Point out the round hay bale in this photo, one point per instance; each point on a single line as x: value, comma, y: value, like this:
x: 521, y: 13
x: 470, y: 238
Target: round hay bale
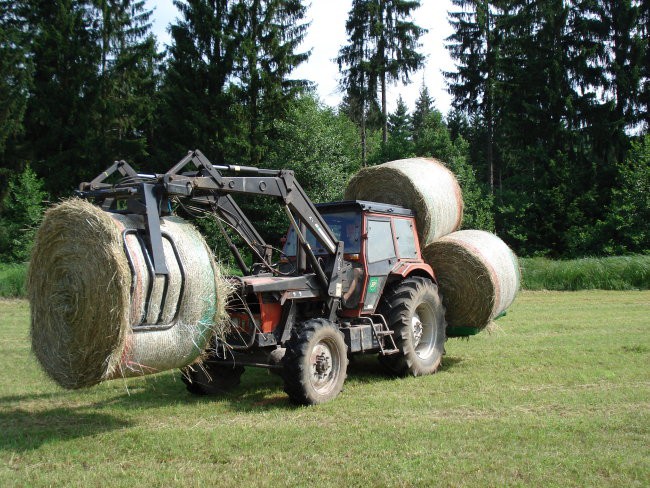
x: 478, y: 276
x: 98, y: 312
x: 424, y: 185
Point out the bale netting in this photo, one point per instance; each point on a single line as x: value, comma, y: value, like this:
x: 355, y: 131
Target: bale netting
x: 478, y: 276
x: 424, y: 185
x: 97, y: 309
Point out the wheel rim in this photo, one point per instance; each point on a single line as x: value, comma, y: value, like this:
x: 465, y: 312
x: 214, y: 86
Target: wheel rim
x: 425, y: 332
x: 324, y: 364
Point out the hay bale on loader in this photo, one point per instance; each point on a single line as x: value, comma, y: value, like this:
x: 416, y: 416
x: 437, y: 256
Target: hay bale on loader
x: 90, y: 286
x: 478, y: 276
x: 424, y: 185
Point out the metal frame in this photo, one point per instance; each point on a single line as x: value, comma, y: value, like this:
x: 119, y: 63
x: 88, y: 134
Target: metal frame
x: 207, y: 186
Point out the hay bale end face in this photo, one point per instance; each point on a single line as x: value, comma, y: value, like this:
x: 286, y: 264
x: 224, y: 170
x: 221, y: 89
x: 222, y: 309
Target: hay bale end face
x: 90, y: 289
x: 478, y: 276
x: 424, y: 185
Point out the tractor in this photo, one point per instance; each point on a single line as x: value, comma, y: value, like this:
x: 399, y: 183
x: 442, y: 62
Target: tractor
x: 348, y: 279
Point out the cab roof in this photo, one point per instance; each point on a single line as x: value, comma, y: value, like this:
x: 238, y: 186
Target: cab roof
x: 364, y: 206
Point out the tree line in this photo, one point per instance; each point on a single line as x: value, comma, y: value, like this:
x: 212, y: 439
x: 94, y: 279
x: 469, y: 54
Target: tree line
x: 546, y: 132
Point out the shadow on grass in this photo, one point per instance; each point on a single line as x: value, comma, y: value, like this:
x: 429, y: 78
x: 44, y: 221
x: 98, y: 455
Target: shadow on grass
x: 258, y: 391
x: 24, y: 430
x: 448, y: 363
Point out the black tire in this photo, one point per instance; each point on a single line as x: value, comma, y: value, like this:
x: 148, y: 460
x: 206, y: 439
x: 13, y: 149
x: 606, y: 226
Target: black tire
x: 211, y: 378
x: 315, y: 363
x: 414, y: 311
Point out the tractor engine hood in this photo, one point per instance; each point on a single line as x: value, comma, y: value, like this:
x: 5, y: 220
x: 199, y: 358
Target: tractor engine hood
x: 289, y: 287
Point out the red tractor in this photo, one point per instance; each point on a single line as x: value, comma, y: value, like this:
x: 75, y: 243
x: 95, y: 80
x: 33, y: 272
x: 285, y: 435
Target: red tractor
x: 350, y: 279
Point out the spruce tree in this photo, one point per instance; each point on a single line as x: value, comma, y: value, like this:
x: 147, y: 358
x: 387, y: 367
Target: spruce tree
x: 474, y: 46
x: 15, y: 83
x: 127, y: 79
x: 196, y: 107
x: 400, y: 139
x: 396, y: 42
x: 644, y: 91
x: 382, y: 47
x: 272, y: 31
x: 358, y: 81
x: 423, y: 107
x: 537, y: 143
x: 59, y: 118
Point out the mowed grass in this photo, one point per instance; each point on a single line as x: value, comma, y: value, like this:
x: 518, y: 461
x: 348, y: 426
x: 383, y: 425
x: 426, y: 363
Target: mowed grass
x: 557, y: 395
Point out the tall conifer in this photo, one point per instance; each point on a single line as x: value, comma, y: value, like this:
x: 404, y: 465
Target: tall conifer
x: 196, y: 105
x: 272, y: 31
x: 15, y: 83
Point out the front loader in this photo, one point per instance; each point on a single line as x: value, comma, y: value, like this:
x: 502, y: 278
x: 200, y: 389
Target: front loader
x: 350, y: 278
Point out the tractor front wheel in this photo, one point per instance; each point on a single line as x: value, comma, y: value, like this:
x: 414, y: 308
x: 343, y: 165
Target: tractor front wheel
x: 315, y: 363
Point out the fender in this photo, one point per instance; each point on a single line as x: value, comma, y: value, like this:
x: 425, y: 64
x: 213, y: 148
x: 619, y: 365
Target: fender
x: 405, y: 269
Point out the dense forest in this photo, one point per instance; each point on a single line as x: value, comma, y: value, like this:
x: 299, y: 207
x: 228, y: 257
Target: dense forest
x: 548, y: 131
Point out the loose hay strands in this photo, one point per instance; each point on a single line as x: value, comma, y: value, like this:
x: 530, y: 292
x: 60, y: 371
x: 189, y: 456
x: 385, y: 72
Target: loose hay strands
x: 424, y: 185
x: 85, y: 297
x: 478, y: 276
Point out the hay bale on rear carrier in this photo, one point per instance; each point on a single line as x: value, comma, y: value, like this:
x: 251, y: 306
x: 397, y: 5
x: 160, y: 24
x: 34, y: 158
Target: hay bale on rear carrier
x: 424, y: 185
x: 478, y: 276
x: 97, y: 309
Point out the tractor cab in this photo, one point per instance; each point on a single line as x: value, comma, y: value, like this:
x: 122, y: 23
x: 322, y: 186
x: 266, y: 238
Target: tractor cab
x: 380, y: 246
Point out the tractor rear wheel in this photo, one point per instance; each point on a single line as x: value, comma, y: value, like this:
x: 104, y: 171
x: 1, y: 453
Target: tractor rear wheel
x: 414, y: 311
x: 211, y: 377
x: 315, y: 363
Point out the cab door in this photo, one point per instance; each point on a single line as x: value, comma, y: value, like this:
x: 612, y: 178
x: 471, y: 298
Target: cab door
x: 380, y: 259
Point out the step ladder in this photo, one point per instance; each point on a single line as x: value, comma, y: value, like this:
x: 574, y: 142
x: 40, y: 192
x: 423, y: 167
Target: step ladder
x: 382, y: 333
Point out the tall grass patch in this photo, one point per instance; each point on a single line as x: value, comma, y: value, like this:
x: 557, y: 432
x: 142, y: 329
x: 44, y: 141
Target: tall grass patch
x: 12, y: 280
x: 610, y: 273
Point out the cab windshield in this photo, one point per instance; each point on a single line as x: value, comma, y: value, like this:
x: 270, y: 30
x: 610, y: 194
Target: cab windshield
x: 346, y: 226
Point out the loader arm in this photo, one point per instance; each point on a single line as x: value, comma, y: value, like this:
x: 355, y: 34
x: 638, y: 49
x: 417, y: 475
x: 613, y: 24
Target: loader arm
x: 207, y: 187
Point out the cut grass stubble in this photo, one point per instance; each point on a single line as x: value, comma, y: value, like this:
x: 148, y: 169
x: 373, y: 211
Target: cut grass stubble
x: 557, y: 395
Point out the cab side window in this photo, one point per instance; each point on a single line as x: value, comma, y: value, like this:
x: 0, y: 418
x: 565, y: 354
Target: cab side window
x: 380, y: 241
x: 405, y: 240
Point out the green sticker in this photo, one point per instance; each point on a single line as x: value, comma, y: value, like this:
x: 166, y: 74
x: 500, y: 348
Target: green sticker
x: 373, y: 285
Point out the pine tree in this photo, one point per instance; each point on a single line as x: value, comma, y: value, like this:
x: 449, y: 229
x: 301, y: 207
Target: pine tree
x: 475, y: 47
x: 423, y: 107
x: 272, y: 31
x: 127, y: 79
x: 358, y: 81
x: 15, y: 82
x: 400, y: 139
x: 196, y: 107
x: 59, y: 118
x: 382, y: 47
x: 396, y: 40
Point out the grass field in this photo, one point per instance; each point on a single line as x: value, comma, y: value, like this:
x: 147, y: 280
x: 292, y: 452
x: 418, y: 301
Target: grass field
x: 558, y: 395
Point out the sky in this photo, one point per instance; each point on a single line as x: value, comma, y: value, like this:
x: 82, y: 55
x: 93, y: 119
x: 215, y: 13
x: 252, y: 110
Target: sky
x: 326, y: 35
